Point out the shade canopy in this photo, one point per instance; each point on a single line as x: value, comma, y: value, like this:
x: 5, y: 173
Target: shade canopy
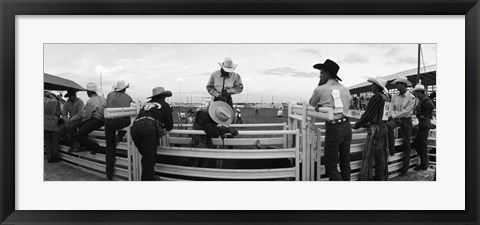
x: 428, y: 76
x: 54, y: 83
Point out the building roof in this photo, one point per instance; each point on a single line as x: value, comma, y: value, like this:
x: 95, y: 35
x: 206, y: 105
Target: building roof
x: 54, y: 83
x: 427, y: 76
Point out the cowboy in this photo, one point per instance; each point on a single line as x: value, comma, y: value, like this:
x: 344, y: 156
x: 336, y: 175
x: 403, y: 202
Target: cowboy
x: 401, y: 116
x: 92, y: 120
x: 423, y: 111
x: 330, y: 93
x: 208, y: 119
x: 375, y: 148
x: 225, y: 82
x: 115, y: 99
x: 238, y: 116
x: 153, y: 118
x: 72, y: 114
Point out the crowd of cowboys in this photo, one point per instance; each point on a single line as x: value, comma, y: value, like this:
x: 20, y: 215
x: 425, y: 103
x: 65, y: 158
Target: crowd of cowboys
x: 77, y: 121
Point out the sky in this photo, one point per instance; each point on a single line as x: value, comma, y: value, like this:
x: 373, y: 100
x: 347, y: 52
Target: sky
x: 270, y: 72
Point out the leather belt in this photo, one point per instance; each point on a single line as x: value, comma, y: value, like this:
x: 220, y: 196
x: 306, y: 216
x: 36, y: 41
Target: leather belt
x: 337, y: 120
x: 144, y: 117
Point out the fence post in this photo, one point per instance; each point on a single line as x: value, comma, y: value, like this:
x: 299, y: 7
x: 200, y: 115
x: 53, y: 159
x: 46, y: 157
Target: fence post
x: 129, y: 155
x: 304, y: 150
x: 297, y: 156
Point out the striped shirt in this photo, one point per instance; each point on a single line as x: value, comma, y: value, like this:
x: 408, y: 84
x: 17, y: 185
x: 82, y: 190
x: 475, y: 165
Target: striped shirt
x: 373, y: 113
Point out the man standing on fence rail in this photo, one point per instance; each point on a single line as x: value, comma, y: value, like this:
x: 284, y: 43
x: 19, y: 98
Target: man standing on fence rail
x: 375, y: 149
x: 423, y: 111
x: 148, y: 127
x: 115, y: 99
x: 330, y: 93
x: 225, y: 82
x: 401, y: 116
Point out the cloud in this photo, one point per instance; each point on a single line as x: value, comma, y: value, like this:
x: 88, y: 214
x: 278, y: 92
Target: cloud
x: 311, y: 51
x: 392, y: 52
x: 355, y: 58
x: 288, y: 71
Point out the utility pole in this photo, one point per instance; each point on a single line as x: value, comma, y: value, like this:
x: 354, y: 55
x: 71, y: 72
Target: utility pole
x: 418, y: 65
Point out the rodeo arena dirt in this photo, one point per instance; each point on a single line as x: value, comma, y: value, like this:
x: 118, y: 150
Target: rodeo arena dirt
x: 268, y: 143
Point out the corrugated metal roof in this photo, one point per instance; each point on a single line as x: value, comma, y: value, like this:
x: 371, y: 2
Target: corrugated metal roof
x: 427, y: 75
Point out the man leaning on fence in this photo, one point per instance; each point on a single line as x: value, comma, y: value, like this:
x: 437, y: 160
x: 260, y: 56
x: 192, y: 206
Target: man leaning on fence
x: 330, y: 93
x: 148, y: 127
x: 115, y: 99
x: 401, y: 116
x: 375, y: 150
x: 208, y: 119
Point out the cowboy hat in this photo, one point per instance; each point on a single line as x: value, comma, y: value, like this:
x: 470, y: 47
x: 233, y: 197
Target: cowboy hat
x: 378, y: 81
x: 418, y: 87
x: 228, y: 65
x: 70, y: 92
x: 329, y: 66
x: 402, y: 80
x: 160, y: 91
x: 91, y: 87
x: 121, y: 85
x: 221, y: 113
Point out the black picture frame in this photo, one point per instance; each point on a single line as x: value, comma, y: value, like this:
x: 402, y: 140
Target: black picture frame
x: 11, y: 8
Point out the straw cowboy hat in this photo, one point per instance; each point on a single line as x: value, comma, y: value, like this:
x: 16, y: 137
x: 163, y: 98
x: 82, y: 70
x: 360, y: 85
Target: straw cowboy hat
x: 121, y: 85
x: 402, y: 80
x: 418, y: 87
x: 160, y: 91
x: 378, y: 81
x: 221, y: 113
x: 228, y: 65
x: 330, y: 66
x: 91, y: 87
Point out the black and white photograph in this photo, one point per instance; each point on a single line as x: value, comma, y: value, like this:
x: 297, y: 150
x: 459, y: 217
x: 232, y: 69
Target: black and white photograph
x: 240, y: 112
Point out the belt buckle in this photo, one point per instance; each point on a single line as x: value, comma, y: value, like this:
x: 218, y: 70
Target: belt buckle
x: 333, y: 122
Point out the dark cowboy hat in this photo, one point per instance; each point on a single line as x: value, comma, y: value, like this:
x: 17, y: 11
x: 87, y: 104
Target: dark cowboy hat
x: 330, y: 66
x: 160, y: 91
x: 70, y: 92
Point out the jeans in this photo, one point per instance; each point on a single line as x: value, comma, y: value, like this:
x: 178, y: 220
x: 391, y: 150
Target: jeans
x: 145, y: 137
x: 229, y: 100
x: 337, y: 146
x: 405, y: 125
x: 51, y: 141
x: 375, y: 152
x: 86, y: 127
x: 420, y: 141
x: 111, y: 126
x: 68, y: 128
